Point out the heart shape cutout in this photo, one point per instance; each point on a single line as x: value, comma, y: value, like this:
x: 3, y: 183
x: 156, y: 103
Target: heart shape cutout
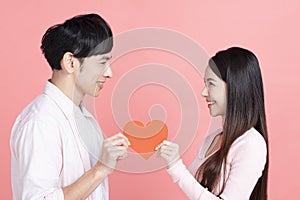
x: 144, y: 139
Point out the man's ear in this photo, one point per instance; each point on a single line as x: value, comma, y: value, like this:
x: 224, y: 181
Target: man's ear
x: 69, y: 63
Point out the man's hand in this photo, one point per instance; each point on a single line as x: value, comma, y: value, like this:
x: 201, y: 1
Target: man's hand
x: 113, y: 149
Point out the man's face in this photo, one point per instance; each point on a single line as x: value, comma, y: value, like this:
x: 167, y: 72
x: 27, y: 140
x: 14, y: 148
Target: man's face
x: 92, y: 75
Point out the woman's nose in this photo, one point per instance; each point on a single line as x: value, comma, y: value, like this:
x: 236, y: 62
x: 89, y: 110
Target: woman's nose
x: 204, y: 92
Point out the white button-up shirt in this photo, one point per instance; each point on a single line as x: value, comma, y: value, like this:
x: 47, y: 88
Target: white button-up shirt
x: 50, y: 147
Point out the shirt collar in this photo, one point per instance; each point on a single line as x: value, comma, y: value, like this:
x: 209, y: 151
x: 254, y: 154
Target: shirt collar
x: 65, y: 103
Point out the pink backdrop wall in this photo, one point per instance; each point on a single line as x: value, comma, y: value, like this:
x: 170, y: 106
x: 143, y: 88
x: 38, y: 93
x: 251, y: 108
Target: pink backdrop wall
x: 269, y: 28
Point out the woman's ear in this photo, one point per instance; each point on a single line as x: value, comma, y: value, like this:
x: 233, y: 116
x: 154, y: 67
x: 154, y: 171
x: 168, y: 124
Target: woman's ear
x: 69, y: 63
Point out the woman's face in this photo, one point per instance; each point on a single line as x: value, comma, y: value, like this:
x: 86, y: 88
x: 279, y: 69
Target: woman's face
x: 215, y: 93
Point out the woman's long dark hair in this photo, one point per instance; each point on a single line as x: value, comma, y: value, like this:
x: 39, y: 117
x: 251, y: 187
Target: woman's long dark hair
x: 239, y: 68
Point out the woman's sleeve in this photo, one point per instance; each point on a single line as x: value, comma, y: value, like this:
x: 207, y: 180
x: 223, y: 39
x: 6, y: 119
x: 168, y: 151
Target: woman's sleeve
x: 189, y: 184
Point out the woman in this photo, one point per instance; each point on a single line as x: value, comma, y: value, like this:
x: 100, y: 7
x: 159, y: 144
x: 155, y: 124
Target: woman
x: 232, y: 163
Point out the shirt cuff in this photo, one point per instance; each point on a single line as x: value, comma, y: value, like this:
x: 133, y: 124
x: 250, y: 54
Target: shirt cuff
x: 177, y: 171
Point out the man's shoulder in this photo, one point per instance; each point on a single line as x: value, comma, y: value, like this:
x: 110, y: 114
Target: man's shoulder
x: 40, y: 109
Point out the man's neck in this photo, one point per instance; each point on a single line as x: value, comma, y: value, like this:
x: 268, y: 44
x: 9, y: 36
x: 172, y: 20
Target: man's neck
x: 67, y: 85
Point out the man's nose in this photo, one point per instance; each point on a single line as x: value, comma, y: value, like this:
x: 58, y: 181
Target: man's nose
x: 108, y: 73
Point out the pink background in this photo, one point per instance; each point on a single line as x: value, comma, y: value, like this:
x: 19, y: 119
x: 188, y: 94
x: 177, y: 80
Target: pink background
x: 269, y: 28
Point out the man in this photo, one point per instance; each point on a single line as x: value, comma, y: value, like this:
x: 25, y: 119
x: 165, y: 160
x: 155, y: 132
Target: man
x: 57, y: 147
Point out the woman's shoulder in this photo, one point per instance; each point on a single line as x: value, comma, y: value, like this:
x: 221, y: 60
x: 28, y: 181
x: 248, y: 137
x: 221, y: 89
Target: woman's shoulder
x: 251, y: 140
x: 251, y: 135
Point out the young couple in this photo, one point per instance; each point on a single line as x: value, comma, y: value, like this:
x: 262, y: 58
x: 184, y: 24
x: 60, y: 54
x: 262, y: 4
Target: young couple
x: 49, y: 160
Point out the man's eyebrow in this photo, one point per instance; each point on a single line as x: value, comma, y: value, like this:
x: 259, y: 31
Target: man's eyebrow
x: 106, y: 57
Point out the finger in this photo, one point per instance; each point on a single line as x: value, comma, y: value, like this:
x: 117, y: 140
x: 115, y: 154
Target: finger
x: 170, y: 144
x: 118, y: 136
x: 119, y: 142
x: 166, y: 142
x: 114, y: 155
x: 124, y: 137
x: 167, y: 151
x: 117, y: 148
x: 165, y: 156
x: 122, y: 156
x: 118, y: 155
x: 158, y: 146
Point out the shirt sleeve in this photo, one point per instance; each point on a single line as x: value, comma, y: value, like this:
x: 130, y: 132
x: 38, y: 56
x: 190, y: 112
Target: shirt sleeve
x: 247, y: 161
x: 37, y: 161
x: 189, y: 184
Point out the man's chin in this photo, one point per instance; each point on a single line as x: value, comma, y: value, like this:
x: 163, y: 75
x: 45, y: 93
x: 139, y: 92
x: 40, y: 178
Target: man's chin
x: 96, y: 94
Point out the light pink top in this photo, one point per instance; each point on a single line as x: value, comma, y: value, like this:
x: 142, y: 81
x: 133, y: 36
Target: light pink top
x: 47, y: 151
x: 245, y: 163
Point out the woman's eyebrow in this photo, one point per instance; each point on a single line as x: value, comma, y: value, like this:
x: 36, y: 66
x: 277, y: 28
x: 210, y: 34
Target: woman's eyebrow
x: 210, y: 79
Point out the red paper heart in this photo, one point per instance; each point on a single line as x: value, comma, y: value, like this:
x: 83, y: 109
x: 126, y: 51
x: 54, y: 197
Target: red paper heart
x: 144, y: 139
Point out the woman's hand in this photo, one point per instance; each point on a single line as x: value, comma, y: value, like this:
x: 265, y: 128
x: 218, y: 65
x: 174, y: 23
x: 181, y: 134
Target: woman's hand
x: 169, y: 151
